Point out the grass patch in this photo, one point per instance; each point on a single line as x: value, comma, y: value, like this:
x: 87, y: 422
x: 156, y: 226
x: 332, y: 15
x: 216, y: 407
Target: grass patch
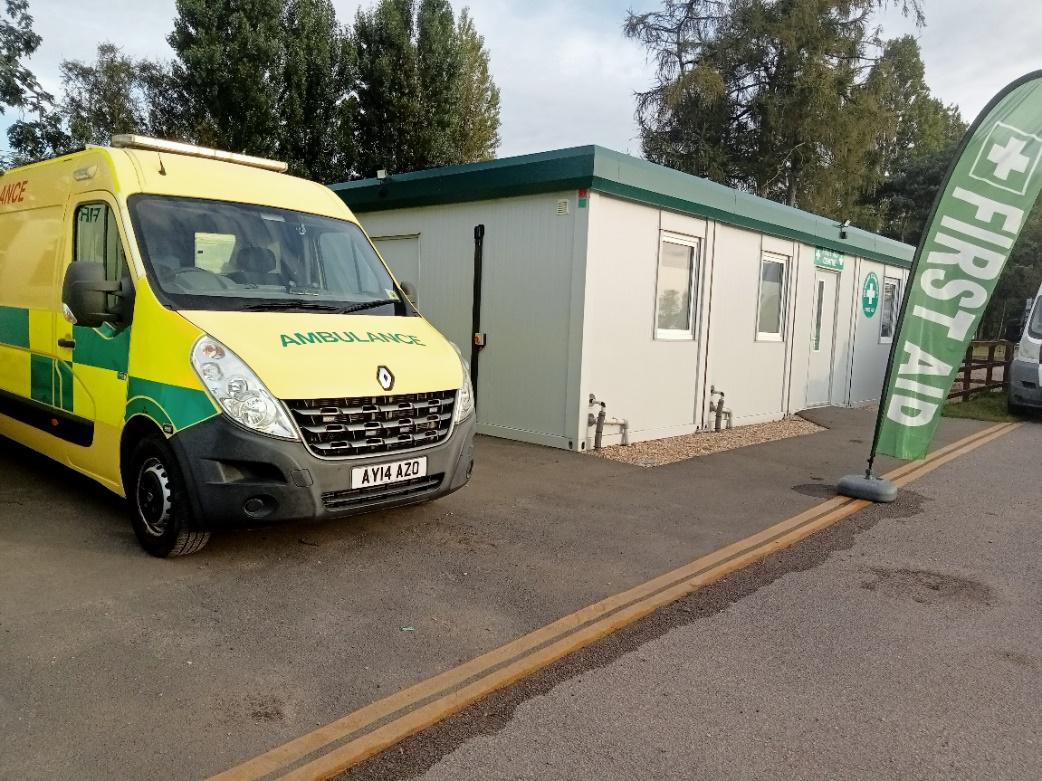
x: 986, y: 406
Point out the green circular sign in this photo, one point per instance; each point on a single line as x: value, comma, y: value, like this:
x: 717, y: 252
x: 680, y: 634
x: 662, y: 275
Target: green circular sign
x: 870, y: 295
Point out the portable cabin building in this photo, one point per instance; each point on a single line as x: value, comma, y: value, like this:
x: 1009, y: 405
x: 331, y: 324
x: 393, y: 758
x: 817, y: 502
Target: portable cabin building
x: 608, y: 277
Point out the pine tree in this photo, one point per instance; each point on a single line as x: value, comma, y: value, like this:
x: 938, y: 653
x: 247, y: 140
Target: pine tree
x: 231, y: 64
x: 764, y: 95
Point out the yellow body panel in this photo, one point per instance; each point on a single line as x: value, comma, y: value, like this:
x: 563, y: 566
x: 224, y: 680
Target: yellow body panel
x: 14, y: 371
x: 164, y: 355
x: 311, y: 356
x: 114, y: 376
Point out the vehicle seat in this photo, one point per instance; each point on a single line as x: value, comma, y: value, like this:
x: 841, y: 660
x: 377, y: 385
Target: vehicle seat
x: 166, y: 266
x: 255, y: 266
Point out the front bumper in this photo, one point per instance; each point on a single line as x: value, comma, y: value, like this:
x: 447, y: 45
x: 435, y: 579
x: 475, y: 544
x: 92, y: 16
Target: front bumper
x: 236, y: 477
x: 1024, y: 388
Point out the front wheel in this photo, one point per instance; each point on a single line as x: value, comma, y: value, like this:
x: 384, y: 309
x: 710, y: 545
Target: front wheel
x: 162, y: 515
x: 1013, y: 408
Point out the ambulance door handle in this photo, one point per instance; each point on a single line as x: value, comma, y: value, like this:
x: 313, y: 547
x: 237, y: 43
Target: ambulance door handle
x: 69, y: 344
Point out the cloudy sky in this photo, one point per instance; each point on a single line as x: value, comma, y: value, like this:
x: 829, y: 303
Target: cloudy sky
x: 566, y: 73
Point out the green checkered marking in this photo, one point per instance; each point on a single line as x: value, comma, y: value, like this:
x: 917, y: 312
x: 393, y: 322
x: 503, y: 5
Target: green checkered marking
x: 168, y: 404
x: 50, y: 382
x: 103, y: 348
x: 14, y: 326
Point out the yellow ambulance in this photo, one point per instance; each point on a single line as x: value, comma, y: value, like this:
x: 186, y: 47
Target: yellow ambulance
x: 219, y: 343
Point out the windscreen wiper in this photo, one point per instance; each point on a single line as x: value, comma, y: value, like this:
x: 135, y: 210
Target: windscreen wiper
x: 369, y: 305
x: 291, y: 304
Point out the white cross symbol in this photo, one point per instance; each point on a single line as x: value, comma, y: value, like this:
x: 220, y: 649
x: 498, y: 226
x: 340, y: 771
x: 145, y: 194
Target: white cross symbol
x: 1010, y: 158
x: 870, y: 294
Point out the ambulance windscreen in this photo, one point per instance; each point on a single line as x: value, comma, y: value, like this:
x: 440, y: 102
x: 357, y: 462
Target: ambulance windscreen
x: 216, y: 255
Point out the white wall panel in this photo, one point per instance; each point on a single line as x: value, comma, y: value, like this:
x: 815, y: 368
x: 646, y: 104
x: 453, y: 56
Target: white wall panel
x: 526, y: 308
x: 650, y: 382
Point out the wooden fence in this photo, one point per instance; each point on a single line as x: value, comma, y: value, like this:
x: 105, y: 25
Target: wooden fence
x: 985, y: 368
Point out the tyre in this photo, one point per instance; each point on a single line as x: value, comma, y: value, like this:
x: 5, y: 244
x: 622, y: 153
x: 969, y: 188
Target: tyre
x: 1014, y: 408
x: 161, y: 513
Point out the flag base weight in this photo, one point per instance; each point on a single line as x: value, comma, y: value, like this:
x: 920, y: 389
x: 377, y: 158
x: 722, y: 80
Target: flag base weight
x: 871, y: 489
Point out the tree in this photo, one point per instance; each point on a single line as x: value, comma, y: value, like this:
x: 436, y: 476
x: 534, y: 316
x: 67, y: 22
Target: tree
x: 18, y: 41
x: 477, y: 130
x: 915, y: 138
x: 439, y: 63
x: 231, y: 64
x: 903, y: 202
x: 316, y: 108
x: 425, y: 94
x: 390, y: 115
x: 103, y: 98
x: 34, y: 137
x: 764, y: 95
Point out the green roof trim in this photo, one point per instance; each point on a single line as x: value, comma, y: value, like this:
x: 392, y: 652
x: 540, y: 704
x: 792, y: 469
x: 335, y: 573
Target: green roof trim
x: 620, y: 176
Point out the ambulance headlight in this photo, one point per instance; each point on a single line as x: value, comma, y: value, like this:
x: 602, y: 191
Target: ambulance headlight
x: 465, y: 399
x: 239, y: 391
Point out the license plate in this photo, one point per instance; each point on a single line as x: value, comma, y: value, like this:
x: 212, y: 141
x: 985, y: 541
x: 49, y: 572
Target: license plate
x: 384, y: 474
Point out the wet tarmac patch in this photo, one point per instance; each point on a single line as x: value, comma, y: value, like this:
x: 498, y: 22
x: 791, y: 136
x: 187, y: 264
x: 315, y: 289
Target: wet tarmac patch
x: 817, y: 490
x: 926, y: 587
x: 266, y: 709
x: 1018, y: 659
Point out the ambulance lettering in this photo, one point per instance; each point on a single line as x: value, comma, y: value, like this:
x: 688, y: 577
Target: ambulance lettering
x: 300, y: 339
x: 13, y: 192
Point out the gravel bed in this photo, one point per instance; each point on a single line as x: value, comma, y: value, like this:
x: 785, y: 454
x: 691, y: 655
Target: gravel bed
x: 659, y: 452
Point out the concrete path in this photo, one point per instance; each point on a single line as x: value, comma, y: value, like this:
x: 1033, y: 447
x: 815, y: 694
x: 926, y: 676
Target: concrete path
x: 903, y: 643
x: 117, y: 665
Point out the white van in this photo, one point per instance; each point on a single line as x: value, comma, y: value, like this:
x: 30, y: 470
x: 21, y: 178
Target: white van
x: 1025, y: 376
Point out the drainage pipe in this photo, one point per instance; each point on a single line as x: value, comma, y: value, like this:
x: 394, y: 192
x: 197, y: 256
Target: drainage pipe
x: 601, y: 419
x: 718, y: 408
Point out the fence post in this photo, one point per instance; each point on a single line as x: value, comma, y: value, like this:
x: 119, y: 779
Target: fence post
x: 967, y: 373
x: 991, y: 364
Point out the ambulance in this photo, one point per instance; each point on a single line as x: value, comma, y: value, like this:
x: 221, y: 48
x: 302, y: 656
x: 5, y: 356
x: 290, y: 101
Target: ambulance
x: 219, y: 343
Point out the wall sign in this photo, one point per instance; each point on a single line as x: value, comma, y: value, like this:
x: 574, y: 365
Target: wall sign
x: 870, y: 295
x: 828, y: 258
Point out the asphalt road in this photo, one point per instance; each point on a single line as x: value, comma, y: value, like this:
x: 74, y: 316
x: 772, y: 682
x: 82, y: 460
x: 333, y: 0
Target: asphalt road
x: 116, y: 665
x: 903, y: 643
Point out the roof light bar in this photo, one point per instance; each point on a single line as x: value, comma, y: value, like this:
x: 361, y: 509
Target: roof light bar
x: 129, y: 141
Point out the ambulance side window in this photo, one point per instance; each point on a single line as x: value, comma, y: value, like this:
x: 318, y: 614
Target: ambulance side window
x: 96, y: 240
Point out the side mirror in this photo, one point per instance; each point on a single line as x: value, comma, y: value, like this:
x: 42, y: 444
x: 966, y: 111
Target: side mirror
x: 410, y: 292
x: 86, y: 292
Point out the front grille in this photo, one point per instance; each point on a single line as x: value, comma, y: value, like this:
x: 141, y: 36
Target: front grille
x: 368, y: 425
x: 342, y: 500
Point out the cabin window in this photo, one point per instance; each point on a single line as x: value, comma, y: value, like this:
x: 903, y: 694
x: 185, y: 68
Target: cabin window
x: 97, y: 239
x: 675, y: 288
x: 770, y: 314
x: 891, y: 306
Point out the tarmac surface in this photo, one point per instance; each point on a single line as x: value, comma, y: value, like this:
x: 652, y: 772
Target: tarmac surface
x: 902, y: 643
x: 117, y: 665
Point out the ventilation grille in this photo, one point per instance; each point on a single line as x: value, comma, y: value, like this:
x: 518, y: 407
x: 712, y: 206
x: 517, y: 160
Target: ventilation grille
x: 341, y: 428
x: 359, y: 497
x: 563, y: 207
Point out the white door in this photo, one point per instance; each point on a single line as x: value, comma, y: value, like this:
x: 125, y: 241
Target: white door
x: 822, y: 339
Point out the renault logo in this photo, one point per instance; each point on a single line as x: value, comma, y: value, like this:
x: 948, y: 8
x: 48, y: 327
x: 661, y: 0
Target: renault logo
x: 385, y: 378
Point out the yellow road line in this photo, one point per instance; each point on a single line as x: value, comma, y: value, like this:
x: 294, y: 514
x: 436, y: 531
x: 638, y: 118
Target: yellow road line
x: 522, y: 657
